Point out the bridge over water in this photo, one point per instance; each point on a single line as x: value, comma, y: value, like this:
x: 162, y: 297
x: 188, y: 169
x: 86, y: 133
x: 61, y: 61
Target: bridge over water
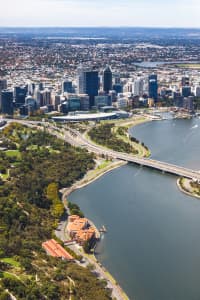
x: 75, y: 138
x: 147, y: 162
x: 162, y: 166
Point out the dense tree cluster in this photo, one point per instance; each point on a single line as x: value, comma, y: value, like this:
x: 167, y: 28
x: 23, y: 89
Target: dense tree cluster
x: 75, y: 209
x: 29, y: 210
x: 133, y: 139
x: 104, y: 135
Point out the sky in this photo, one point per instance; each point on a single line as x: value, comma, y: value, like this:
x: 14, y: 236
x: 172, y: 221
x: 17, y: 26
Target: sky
x: 145, y: 13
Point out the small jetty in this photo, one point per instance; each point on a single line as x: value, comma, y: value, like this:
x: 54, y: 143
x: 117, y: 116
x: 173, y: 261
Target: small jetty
x: 103, y: 229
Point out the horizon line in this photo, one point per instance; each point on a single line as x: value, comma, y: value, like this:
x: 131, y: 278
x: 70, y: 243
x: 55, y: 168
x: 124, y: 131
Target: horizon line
x: 98, y: 27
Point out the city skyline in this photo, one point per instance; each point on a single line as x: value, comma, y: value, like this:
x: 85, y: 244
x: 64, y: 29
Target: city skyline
x: 87, y: 13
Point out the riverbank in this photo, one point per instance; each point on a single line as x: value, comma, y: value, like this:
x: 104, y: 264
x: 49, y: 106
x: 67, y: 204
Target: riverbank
x: 126, y: 124
x: 184, y: 184
x: 102, y: 167
x: 130, y: 123
x: 105, y: 166
x: 166, y: 139
x: 143, y: 151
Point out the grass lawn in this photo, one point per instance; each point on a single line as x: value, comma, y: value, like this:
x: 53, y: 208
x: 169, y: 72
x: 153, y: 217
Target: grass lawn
x: 104, y: 164
x: 5, y: 176
x: 13, y: 153
x: 11, y: 261
x: 33, y: 147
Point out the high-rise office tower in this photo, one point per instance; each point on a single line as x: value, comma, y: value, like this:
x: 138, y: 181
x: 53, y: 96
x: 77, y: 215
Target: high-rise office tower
x: 39, y: 97
x: 107, y: 79
x: 186, y: 91
x: 41, y: 86
x: 138, y: 87
x: 3, y: 86
x: 47, y: 97
x: 118, y: 88
x: 153, y: 86
x: 31, y: 88
x: 185, y: 81
x: 31, y: 103
x: 88, y: 82
x: 67, y: 87
x: 117, y: 79
x: 20, y: 95
x: 7, y: 102
x: 56, y: 101
x: 197, y: 91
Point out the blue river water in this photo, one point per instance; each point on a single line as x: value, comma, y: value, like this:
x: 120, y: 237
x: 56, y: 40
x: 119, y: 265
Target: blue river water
x: 152, y: 246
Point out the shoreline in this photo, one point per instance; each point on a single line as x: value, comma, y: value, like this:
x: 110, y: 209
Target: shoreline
x: 127, y: 124
x: 118, y: 163
x: 88, y: 179
x: 186, y: 192
x: 118, y: 292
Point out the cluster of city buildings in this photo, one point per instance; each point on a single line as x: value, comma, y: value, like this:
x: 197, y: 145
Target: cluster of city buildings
x: 88, y: 92
x: 80, y: 229
x: 94, y: 90
x: 69, y: 75
x: 83, y: 96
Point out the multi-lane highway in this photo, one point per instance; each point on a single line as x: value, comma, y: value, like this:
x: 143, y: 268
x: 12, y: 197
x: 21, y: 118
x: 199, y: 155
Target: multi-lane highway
x: 75, y: 138
x: 147, y: 162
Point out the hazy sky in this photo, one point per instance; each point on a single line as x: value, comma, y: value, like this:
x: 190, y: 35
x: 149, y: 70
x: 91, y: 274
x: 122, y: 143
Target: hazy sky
x: 163, y: 13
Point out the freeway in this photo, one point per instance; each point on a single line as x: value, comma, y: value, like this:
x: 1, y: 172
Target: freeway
x: 75, y: 138
x: 147, y: 162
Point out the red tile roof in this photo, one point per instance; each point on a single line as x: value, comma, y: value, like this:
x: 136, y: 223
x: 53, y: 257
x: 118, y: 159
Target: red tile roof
x: 54, y: 249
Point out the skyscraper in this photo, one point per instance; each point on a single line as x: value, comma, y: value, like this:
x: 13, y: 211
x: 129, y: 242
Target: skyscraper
x: 31, y: 88
x: 153, y: 86
x: 186, y: 91
x: 3, y: 86
x: 67, y: 87
x: 197, y: 91
x: 41, y: 86
x: 138, y: 87
x: 47, y: 97
x: 118, y: 88
x: 185, y: 81
x: 20, y: 93
x: 88, y: 82
x: 107, y: 79
x: 7, y: 102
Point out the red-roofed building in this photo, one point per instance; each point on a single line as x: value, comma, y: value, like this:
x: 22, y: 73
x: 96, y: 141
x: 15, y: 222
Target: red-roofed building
x: 80, y: 230
x: 54, y: 249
